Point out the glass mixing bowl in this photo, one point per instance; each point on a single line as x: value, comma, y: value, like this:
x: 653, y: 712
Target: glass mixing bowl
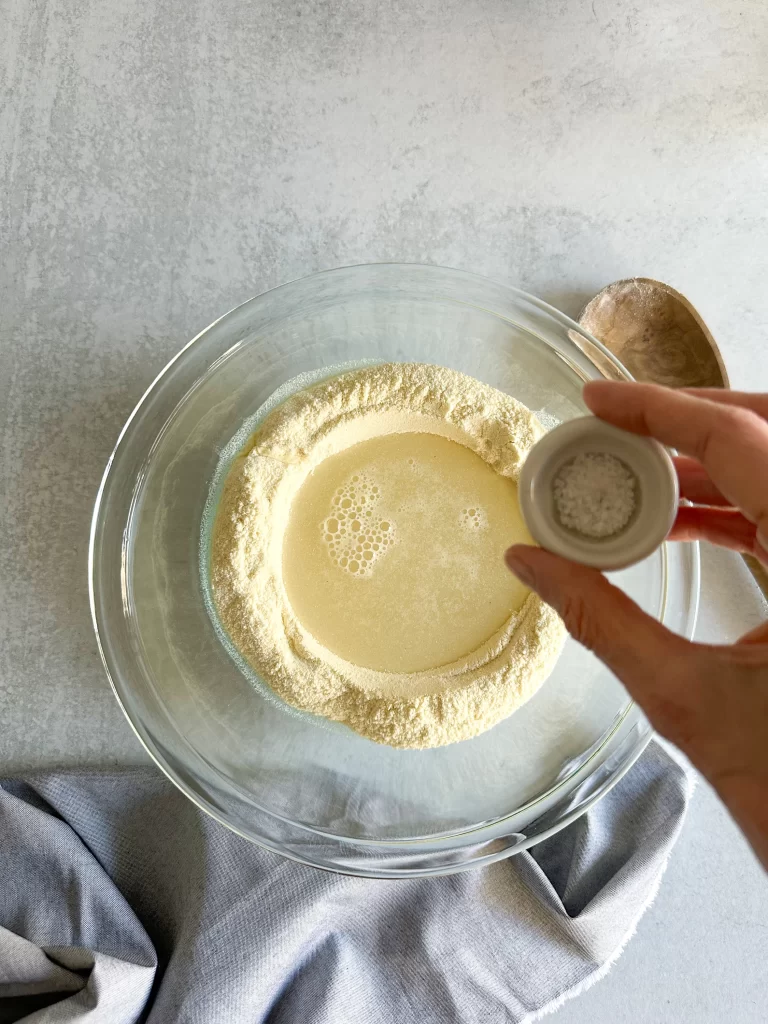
x: 294, y: 783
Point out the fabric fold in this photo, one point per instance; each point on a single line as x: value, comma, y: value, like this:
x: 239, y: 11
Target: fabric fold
x: 120, y: 902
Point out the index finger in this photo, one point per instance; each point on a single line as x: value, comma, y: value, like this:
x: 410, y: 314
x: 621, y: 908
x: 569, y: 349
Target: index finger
x: 725, y: 396
x: 731, y: 442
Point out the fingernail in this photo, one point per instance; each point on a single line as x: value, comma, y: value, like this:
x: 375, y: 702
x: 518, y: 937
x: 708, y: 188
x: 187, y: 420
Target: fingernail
x: 519, y: 567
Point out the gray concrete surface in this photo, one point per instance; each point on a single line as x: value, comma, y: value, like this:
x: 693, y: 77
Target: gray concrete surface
x: 162, y: 161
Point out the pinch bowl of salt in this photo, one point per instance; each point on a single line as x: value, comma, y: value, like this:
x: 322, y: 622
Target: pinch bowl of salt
x: 598, y: 495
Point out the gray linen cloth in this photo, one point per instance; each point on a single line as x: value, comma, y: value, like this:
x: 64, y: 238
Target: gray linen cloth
x: 121, y: 902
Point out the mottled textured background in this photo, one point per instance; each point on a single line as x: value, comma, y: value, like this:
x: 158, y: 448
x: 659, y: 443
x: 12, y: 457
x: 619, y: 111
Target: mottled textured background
x: 162, y: 161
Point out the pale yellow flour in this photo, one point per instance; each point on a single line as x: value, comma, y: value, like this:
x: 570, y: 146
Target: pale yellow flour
x: 425, y: 708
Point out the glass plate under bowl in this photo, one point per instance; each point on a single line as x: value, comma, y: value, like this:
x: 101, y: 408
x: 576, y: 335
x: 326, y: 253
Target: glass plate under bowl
x: 294, y: 783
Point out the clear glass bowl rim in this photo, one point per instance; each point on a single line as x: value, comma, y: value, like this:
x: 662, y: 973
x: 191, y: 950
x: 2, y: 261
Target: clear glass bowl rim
x: 484, y: 850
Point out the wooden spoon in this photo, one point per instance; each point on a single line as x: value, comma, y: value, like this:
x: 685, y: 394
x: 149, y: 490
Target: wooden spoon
x: 661, y: 339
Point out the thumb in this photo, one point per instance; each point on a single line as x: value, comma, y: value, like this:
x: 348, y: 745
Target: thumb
x: 636, y: 647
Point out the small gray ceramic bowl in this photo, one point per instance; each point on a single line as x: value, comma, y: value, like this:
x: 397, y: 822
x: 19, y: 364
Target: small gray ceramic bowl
x: 656, y: 493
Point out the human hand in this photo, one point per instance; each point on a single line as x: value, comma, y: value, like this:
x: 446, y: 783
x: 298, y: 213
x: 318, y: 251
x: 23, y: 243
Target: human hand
x: 711, y: 701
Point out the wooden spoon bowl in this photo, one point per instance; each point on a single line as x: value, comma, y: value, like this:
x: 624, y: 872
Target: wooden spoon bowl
x: 656, y: 333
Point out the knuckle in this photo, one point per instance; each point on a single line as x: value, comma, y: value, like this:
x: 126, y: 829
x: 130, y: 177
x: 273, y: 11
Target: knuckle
x: 739, y: 421
x: 580, y: 624
x: 726, y: 428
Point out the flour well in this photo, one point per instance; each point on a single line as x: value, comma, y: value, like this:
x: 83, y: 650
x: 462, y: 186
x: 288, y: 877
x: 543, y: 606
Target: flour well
x: 357, y: 555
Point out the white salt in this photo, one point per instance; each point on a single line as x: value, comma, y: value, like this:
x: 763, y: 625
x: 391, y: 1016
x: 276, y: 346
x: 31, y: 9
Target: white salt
x: 595, y: 494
